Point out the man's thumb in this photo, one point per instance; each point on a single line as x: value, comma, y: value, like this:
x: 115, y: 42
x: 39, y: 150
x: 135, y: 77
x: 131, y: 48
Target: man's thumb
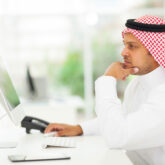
x: 134, y: 70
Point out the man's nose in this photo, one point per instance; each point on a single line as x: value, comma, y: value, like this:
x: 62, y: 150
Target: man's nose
x: 125, y: 52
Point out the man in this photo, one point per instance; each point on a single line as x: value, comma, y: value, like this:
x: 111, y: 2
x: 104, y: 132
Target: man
x: 138, y: 124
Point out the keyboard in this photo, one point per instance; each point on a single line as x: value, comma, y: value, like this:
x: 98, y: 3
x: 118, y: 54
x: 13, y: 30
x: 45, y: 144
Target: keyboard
x: 63, y: 142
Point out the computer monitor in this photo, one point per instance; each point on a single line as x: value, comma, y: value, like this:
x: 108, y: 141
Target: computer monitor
x: 9, y: 97
x: 2, y: 111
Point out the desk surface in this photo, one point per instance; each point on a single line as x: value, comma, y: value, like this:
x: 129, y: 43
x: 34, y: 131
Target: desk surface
x: 89, y: 150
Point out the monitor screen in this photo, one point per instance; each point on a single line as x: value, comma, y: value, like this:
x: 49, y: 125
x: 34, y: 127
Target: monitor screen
x: 7, y: 88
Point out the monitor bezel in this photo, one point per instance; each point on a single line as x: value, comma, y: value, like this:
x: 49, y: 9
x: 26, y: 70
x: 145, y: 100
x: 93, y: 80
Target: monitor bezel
x: 16, y: 114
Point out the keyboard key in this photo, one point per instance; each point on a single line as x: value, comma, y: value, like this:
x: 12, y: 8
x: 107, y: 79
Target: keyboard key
x: 64, y: 142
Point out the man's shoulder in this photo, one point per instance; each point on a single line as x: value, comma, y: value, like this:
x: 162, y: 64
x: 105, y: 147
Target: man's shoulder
x: 160, y: 88
x: 157, y: 94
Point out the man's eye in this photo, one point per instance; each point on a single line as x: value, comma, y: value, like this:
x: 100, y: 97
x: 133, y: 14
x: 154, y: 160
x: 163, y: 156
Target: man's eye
x: 131, y: 46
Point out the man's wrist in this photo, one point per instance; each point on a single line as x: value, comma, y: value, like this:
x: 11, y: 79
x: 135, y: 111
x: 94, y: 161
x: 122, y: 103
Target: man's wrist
x: 110, y: 75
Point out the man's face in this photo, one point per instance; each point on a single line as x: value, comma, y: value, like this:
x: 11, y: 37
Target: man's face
x: 136, y: 55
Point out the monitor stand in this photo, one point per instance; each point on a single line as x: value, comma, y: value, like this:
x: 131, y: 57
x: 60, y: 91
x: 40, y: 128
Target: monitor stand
x: 10, y: 144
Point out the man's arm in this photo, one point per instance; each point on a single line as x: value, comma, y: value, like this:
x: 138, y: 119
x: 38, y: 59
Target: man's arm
x: 89, y: 127
x: 144, y: 128
x: 85, y: 128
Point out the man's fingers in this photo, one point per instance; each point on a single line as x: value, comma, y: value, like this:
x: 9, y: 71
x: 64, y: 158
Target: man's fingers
x: 49, y: 128
x: 53, y: 127
x: 132, y: 70
x: 126, y: 66
x: 61, y: 133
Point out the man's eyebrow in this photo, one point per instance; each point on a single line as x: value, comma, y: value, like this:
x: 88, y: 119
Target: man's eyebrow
x: 130, y: 42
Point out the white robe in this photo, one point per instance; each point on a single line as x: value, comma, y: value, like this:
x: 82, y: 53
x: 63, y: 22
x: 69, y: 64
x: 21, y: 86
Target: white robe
x: 136, y: 125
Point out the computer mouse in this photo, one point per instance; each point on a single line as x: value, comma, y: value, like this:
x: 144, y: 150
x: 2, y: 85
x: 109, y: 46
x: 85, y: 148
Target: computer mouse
x: 50, y: 134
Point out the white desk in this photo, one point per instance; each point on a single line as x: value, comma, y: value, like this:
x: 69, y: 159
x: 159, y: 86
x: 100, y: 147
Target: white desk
x: 91, y: 150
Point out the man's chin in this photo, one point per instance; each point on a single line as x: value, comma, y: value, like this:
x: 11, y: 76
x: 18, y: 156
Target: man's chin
x: 136, y: 73
x: 129, y: 65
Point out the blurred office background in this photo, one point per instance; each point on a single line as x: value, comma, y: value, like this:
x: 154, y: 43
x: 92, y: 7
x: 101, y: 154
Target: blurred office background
x: 55, y: 50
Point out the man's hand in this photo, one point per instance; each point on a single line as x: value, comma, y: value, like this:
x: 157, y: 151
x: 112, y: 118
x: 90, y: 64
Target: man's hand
x: 64, y: 129
x: 118, y: 71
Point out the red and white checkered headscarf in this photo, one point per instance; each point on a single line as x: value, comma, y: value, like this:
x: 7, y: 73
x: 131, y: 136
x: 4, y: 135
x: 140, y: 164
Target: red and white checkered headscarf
x: 153, y: 41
